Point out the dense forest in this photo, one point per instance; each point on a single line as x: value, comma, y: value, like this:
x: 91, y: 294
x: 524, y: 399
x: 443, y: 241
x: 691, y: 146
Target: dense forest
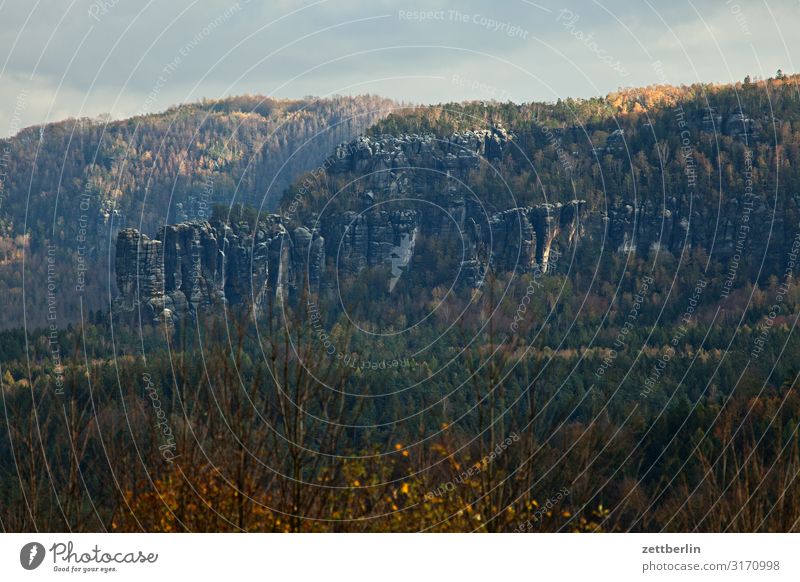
x: 69, y: 187
x: 627, y: 147
x: 568, y: 425
x: 625, y: 389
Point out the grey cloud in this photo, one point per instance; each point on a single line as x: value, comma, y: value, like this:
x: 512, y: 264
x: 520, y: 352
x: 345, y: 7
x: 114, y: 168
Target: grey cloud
x: 480, y: 49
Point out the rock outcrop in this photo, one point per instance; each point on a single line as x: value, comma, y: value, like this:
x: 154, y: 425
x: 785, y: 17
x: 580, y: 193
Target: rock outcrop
x: 200, y: 266
x: 459, y: 151
x: 411, y: 187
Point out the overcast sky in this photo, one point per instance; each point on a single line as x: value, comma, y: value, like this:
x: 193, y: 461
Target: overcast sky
x: 68, y: 58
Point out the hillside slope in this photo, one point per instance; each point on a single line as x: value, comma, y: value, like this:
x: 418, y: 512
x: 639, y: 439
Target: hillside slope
x: 68, y: 187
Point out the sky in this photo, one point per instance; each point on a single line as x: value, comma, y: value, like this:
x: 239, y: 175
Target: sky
x: 86, y: 58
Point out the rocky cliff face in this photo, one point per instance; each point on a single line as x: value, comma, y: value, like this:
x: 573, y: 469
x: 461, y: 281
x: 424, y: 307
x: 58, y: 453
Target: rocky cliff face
x: 459, y: 151
x: 750, y: 226
x: 399, y: 190
x: 413, y: 185
x: 199, y: 266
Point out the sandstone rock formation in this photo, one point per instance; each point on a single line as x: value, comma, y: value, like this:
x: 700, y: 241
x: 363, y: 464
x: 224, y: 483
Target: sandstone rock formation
x: 201, y: 266
x: 415, y: 186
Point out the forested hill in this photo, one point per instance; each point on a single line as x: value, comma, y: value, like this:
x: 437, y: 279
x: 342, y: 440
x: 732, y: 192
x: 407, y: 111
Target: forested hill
x: 66, y: 188
x: 632, y: 351
x: 709, y: 169
x: 684, y: 154
x: 618, y: 148
x: 761, y: 99
x: 659, y: 148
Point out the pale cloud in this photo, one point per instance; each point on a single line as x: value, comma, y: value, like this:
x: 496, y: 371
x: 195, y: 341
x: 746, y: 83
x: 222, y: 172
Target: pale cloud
x: 74, y: 59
